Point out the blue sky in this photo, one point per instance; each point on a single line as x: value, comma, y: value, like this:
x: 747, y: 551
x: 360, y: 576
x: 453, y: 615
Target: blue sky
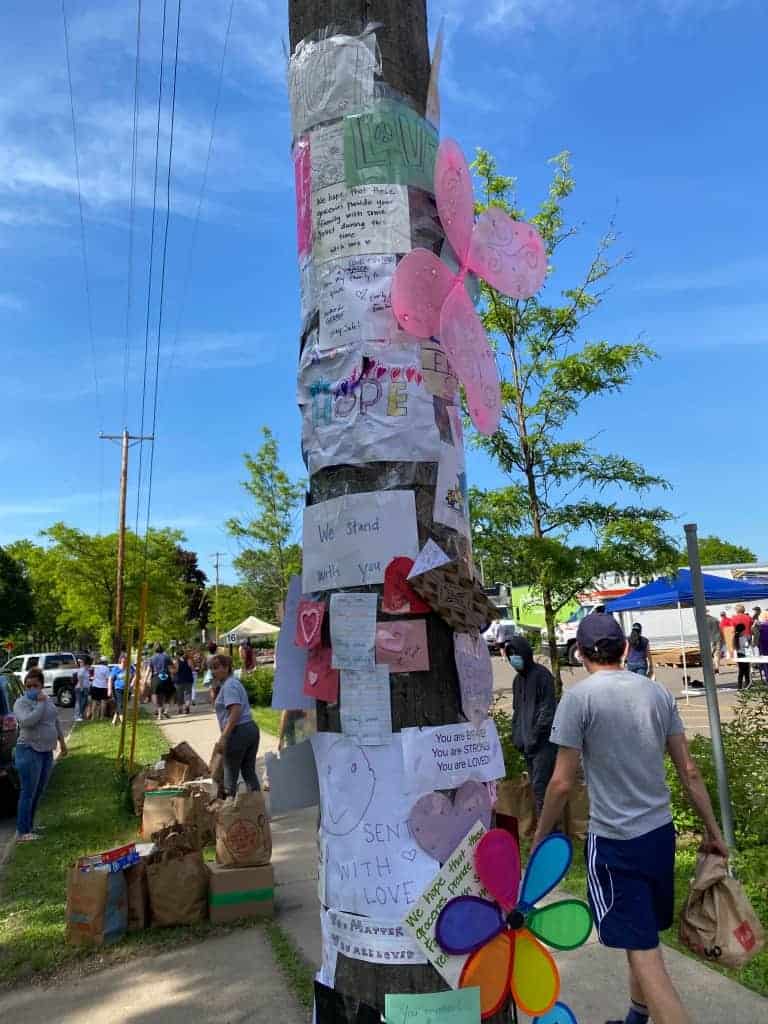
x: 660, y: 102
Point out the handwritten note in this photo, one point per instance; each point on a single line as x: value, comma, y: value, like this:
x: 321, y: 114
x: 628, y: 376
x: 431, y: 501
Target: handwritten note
x: 349, y: 541
x: 473, y: 664
x: 321, y: 680
x: 390, y: 144
x: 446, y: 756
x: 431, y: 556
x: 330, y: 78
x: 354, y: 299
x: 353, y: 630
x: 327, y: 156
x: 402, y: 644
x: 451, y: 506
x: 366, y: 938
x: 356, y: 221
x: 458, y: 1006
x: 307, y: 287
x: 290, y: 660
x: 367, y: 403
x: 366, y: 705
x: 456, y: 878
x: 371, y: 864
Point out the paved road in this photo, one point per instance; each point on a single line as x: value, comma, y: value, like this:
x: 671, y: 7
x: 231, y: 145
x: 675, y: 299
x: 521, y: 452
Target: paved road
x: 8, y: 825
x: 692, y: 709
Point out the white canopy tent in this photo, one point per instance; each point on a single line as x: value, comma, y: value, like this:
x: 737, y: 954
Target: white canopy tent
x: 249, y: 629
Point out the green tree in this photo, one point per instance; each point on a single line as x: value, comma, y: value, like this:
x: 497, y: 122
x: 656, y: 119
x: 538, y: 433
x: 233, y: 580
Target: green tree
x: 235, y: 604
x: 16, y: 608
x: 567, y: 520
x: 715, y: 551
x: 269, y: 557
x: 46, y: 631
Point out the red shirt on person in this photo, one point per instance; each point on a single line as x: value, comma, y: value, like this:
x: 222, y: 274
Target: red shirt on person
x: 725, y: 622
x: 745, y: 620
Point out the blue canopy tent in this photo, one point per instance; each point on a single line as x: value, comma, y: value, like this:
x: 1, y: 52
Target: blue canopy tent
x: 669, y: 593
x: 678, y: 593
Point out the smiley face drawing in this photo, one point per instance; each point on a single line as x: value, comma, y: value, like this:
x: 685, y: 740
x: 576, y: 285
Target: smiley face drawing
x: 349, y: 784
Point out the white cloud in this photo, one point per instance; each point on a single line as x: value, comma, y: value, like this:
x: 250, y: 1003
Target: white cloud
x: 10, y: 302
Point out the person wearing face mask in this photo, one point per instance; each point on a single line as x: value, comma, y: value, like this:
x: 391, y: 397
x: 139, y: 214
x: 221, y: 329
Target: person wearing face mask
x: 39, y: 732
x: 533, y: 702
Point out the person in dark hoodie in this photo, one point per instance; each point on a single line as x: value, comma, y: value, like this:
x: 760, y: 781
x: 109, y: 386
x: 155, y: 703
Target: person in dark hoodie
x: 533, y: 702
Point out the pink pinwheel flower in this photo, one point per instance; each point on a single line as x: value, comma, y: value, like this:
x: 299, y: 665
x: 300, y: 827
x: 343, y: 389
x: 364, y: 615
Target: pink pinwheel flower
x: 429, y: 300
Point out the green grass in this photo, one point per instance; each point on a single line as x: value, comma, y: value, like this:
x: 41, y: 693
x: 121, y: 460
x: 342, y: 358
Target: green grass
x: 267, y: 719
x: 751, y: 868
x: 294, y: 968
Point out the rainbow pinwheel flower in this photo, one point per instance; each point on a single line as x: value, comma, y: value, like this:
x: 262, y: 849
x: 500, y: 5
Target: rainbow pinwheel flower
x: 503, y: 937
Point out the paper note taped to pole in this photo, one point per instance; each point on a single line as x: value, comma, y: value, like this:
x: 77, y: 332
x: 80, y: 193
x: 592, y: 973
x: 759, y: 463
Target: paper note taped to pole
x: 357, y: 221
x: 368, y: 939
x: 370, y: 863
x: 349, y: 541
x: 446, y: 756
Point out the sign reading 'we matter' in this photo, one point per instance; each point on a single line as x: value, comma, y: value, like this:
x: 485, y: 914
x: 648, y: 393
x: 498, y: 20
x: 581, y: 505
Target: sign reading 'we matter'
x: 349, y: 541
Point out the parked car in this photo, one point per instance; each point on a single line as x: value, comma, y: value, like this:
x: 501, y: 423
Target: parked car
x: 10, y: 691
x: 58, y: 672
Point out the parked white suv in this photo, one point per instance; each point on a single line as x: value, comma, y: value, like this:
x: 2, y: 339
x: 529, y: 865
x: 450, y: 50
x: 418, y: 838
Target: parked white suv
x: 58, y: 671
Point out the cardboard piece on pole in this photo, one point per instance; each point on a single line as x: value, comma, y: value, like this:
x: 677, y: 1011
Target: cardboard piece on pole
x: 292, y: 779
x: 457, y: 597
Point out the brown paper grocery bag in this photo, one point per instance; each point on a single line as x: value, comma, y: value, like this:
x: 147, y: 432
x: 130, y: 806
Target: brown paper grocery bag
x: 178, y: 890
x: 576, y: 814
x: 718, y: 921
x: 243, y: 835
x: 97, y: 910
x: 514, y: 798
x: 137, y: 896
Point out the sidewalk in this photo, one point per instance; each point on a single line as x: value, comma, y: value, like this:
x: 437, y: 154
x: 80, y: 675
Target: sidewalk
x: 235, y: 979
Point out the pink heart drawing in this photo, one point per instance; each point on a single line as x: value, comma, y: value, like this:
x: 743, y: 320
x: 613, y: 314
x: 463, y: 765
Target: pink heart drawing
x: 312, y: 678
x: 381, y: 371
x: 394, y: 372
x: 410, y: 373
x: 419, y: 378
x: 309, y: 620
x: 438, y: 825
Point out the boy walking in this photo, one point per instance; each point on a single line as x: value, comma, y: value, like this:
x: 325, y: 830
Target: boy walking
x: 620, y: 724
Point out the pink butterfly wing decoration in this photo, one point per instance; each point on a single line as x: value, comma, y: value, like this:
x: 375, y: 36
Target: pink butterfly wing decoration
x: 455, y: 201
x: 420, y: 287
x: 465, y: 342
x: 508, y: 254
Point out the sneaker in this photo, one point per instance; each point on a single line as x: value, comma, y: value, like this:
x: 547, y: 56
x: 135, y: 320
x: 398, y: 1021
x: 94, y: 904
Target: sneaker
x: 28, y: 837
x: 79, y: 718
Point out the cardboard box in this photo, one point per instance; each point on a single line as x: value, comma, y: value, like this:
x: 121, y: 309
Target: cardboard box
x: 163, y: 807
x: 240, y: 892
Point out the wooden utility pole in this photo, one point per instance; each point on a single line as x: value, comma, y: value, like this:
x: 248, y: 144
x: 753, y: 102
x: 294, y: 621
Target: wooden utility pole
x: 432, y: 698
x: 126, y: 441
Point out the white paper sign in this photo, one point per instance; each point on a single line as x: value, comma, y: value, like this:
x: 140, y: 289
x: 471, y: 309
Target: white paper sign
x: 368, y: 939
x: 360, y: 220
x: 451, y: 499
x: 473, y: 664
x: 431, y: 556
x: 326, y: 155
x: 354, y: 300
x: 353, y: 631
x: 446, y: 756
x: 330, y: 78
x: 366, y: 404
x: 456, y: 878
x: 350, y: 541
x: 307, y: 287
x: 290, y: 660
x: 371, y: 863
x: 366, y: 705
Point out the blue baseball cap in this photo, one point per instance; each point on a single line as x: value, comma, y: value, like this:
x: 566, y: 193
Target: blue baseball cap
x: 597, y: 627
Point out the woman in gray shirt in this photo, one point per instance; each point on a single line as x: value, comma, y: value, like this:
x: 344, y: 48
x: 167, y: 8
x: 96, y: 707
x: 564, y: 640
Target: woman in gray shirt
x: 39, y: 732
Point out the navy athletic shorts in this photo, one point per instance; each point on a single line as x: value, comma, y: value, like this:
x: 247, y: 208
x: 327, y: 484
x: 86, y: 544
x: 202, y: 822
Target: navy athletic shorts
x: 632, y: 887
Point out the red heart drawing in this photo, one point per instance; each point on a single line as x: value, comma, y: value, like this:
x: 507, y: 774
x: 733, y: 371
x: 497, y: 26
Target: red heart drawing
x: 395, y: 372
x: 419, y: 378
x: 399, y: 596
x: 309, y: 621
x: 321, y: 681
x: 381, y: 371
x: 410, y: 373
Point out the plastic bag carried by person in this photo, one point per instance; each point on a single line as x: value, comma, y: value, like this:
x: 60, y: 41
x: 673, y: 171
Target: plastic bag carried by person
x: 718, y: 921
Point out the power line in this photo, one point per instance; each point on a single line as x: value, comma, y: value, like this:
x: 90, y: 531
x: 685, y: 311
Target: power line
x: 83, y: 247
x: 151, y: 265
x: 203, y: 185
x: 132, y: 214
x: 162, y: 272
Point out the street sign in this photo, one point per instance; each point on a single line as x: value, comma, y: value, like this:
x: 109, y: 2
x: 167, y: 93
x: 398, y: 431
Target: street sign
x: 233, y: 638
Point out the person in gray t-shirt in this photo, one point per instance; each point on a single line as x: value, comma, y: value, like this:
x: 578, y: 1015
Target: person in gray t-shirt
x: 620, y: 725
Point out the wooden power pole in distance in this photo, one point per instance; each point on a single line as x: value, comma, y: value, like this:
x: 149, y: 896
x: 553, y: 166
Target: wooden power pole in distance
x: 431, y: 698
x: 126, y: 442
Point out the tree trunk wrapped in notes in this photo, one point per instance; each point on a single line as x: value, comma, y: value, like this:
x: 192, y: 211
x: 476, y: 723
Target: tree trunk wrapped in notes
x: 382, y: 439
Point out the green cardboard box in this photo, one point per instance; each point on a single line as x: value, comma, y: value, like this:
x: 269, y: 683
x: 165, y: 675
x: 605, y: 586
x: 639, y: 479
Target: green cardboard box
x: 240, y: 892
